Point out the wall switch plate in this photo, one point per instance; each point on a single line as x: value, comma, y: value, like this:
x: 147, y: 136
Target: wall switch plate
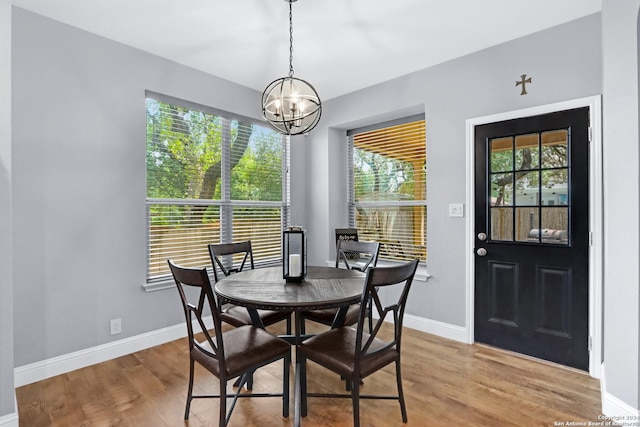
x: 116, y: 326
x: 456, y: 210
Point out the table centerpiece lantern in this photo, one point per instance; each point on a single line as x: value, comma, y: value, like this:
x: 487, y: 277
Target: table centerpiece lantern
x: 294, y: 254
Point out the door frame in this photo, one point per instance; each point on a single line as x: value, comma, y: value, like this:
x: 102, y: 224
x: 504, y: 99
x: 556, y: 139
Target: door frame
x: 595, y: 216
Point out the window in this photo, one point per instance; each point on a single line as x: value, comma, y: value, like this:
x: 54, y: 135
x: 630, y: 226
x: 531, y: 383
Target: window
x: 530, y: 187
x: 387, y: 183
x: 211, y: 177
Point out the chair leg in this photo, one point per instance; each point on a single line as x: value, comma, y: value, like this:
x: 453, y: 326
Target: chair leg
x: 285, y: 385
x: 288, y: 325
x: 403, y: 407
x: 190, y: 389
x: 238, y: 382
x: 303, y: 383
x: 302, y: 327
x: 249, y: 380
x: 223, y: 403
x: 355, y: 398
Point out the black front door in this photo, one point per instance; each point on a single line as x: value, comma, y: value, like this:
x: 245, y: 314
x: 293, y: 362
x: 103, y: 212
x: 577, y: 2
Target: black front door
x: 532, y: 236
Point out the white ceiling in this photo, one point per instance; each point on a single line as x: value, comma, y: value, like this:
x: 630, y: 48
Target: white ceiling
x: 339, y: 45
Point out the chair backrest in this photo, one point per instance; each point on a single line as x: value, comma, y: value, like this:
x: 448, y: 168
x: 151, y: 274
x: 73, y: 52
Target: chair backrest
x: 225, y: 256
x: 357, y: 255
x: 346, y: 234
x: 396, y: 281
x: 194, y: 309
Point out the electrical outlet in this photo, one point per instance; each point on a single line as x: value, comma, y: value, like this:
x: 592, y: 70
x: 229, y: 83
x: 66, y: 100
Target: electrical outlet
x: 116, y: 326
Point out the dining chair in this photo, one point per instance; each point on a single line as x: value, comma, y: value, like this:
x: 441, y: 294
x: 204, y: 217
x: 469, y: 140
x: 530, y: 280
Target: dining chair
x: 355, y: 255
x: 236, y: 353
x: 346, y: 234
x: 355, y: 354
x: 229, y: 258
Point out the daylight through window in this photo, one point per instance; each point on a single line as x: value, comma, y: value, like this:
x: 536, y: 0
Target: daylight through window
x: 387, y: 197
x: 211, y: 177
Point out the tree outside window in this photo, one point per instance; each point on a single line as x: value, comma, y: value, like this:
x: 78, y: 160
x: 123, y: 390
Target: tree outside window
x: 388, y: 191
x: 211, y: 178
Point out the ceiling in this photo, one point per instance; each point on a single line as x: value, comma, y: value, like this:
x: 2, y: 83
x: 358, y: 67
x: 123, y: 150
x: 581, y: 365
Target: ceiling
x: 340, y: 46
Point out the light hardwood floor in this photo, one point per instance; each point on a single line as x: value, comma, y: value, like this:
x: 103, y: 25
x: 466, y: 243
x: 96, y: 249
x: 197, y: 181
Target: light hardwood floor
x: 446, y: 383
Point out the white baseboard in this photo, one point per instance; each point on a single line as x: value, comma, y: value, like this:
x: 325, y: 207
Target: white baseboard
x: 9, y: 420
x: 48, y: 368
x: 445, y: 330
x: 615, y: 409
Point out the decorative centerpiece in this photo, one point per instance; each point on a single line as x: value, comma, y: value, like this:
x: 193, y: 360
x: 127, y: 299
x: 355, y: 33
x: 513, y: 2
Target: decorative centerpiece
x: 294, y: 255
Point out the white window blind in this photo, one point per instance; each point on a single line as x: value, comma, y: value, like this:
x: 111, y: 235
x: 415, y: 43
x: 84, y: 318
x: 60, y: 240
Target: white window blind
x: 387, y: 187
x: 212, y: 177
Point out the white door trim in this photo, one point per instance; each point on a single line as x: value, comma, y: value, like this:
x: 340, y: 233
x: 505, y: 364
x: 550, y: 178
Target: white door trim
x: 595, y: 216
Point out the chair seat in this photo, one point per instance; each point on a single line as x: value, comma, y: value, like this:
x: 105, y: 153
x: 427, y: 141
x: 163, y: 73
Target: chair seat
x: 239, y: 316
x: 335, y: 350
x: 326, y: 316
x: 244, y: 348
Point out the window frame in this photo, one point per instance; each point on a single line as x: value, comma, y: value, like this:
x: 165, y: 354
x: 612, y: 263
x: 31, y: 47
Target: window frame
x: 226, y: 204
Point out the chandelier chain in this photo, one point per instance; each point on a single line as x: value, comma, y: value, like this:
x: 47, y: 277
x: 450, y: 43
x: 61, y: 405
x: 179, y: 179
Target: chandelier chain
x: 290, y: 38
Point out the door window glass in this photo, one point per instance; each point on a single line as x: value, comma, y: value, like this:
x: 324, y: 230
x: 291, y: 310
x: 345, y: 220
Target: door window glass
x: 527, y: 151
x: 501, y: 154
x: 502, y: 224
x: 527, y: 220
x: 529, y: 188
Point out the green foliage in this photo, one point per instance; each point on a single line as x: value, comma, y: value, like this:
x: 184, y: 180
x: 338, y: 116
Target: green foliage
x: 379, y: 177
x: 258, y: 174
x: 529, y: 167
x: 184, y: 155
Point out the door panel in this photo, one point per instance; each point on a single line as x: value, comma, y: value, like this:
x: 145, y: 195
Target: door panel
x: 532, y: 201
x: 553, y: 305
x: 503, y: 282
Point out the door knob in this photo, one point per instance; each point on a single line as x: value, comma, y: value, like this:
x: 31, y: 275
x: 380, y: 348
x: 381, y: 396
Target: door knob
x: 481, y: 252
x: 482, y: 236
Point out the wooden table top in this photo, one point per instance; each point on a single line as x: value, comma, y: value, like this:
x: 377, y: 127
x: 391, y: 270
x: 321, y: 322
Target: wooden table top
x: 264, y: 288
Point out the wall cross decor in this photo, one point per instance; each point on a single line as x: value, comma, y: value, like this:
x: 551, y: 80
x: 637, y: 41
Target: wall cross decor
x: 524, y: 80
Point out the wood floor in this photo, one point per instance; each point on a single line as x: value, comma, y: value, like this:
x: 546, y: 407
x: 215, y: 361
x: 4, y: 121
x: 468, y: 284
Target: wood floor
x: 446, y: 383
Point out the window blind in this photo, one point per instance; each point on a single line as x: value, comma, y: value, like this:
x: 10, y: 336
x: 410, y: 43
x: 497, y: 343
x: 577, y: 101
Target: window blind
x: 387, y: 187
x: 212, y: 177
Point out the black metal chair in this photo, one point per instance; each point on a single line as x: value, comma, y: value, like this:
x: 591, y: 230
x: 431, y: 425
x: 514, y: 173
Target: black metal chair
x: 229, y: 258
x: 355, y: 354
x: 355, y: 255
x: 236, y: 353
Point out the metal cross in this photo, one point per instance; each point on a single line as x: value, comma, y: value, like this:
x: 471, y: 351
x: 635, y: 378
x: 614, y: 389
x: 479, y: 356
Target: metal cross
x: 523, y: 82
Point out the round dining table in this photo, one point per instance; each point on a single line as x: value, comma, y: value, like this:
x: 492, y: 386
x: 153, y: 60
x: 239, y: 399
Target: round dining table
x: 266, y: 289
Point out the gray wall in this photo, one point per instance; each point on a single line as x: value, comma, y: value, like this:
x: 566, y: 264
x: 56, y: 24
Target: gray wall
x: 6, y: 230
x: 622, y: 199
x: 79, y: 184
x: 564, y: 63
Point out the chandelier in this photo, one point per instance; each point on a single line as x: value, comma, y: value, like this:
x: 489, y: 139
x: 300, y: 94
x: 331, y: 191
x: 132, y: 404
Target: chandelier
x: 291, y: 105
